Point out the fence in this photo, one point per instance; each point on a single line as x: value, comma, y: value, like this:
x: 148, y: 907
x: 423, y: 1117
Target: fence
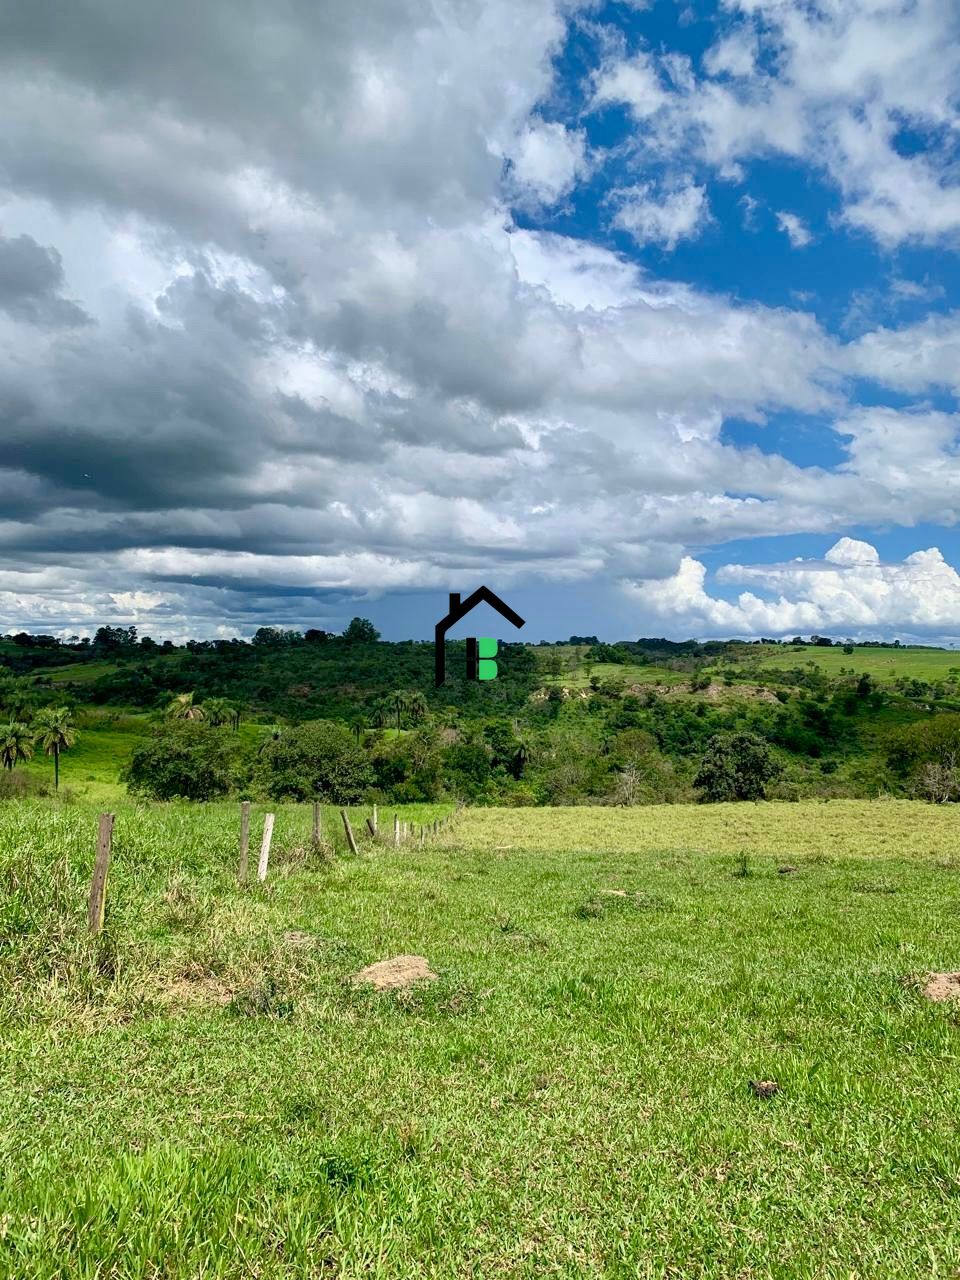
x: 403, y: 832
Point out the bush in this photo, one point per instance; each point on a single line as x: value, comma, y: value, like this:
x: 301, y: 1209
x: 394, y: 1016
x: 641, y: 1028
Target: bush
x: 183, y: 759
x: 736, y: 766
x: 317, y: 760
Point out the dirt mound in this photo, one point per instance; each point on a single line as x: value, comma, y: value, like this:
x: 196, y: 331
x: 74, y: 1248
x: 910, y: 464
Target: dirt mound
x: 395, y: 974
x: 942, y: 986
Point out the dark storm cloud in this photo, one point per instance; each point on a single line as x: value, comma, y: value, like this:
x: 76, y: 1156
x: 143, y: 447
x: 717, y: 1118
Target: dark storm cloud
x: 31, y: 284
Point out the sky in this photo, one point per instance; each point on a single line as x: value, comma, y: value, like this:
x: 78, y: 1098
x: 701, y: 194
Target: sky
x: 645, y: 315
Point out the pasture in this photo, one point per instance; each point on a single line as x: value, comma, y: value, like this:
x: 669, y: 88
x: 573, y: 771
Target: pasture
x: 882, y: 665
x: 202, y: 1091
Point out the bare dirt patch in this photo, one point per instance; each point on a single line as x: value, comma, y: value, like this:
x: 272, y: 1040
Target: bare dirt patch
x: 942, y: 986
x: 397, y: 974
x: 187, y: 992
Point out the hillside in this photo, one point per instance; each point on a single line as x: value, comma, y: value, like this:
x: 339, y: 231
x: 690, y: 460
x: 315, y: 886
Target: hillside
x: 562, y: 724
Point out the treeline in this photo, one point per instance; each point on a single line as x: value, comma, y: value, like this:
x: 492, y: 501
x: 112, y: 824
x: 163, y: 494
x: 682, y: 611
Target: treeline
x: 561, y: 725
x: 607, y: 748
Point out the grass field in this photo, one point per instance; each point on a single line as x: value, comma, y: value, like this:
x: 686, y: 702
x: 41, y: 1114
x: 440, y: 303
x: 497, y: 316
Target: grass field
x: 90, y: 770
x: 202, y: 1092
x: 881, y: 664
x: 623, y: 673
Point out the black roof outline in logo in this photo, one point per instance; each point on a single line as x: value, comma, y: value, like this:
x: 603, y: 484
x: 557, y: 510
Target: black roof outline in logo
x: 458, y: 610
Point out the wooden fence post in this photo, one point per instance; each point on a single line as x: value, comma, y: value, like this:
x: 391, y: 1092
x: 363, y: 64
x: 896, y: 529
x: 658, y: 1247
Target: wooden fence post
x: 265, y: 847
x: 396, y: 829
x: 244, y: 840
x: 371, y: 827
x: 349, y: 830
x: 317, y: 822
x: 374, y: 819
x: 98, y: 886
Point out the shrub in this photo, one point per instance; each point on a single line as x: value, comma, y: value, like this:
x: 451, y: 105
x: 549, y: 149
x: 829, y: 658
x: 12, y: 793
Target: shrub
x: 316, y: 760
x: 183, y: 759
x: 736, y: 766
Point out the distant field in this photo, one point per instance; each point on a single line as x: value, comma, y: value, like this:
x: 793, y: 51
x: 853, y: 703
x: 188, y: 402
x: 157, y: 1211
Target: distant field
x: 626, y: 674
x: 91, y: 769
x: 883, y: 664
x: 77, y: 672
x: 203, y: 1091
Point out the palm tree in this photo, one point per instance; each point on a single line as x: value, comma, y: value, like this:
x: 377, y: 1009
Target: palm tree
x: 235, y: 710
x: 16, y: 744
x: 381, y: 713
x: 398, y: 700
x: 55, y: 731
x: 358, y: 727
x: 417, y: 708
x: 217, y: 711
x: 183, y: 707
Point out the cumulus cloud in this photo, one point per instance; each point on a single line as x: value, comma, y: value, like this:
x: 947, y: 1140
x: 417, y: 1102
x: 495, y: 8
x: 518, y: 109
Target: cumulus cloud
x: 663, y: 219
x: 31, y: 281
x: 271, y: 336
x: 850, y: 591
x: 795, y: 229
x: 547, y: 159
x: 836, y: 87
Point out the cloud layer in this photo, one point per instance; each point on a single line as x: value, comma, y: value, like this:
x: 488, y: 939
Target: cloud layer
x: 279, y: 329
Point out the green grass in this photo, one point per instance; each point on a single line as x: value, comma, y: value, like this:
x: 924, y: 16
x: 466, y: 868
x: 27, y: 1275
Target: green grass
x: 881, y: 664
x: 624, y: 673
x: 90, y: 770
x: 202, y: 1092
x: 77, y: 672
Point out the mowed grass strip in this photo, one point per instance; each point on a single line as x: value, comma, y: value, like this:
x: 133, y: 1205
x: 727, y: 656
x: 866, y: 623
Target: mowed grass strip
x: 204, y: 1093
x: 842, y: 828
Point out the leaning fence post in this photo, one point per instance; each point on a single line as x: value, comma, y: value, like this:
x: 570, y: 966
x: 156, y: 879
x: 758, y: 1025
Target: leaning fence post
x: 244, y: 839
x: 98, y: 886
x: 349, y: 830
x: 396, y: 828
x: 265, y: 847
x: 371, y: 827
x: 317, y: 828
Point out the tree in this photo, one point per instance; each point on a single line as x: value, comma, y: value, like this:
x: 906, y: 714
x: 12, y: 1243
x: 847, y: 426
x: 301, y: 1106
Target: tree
x: 184, y: 759
x: 55, y: 732
x: 417, y: 707
x: 736, y: 766
x: 361, y: 631
x: 114, y: 639
x: 398, y: 701
x: 217, y: 711
x: 316, y: 760
x: 183, y: 707
x: 16, y: 744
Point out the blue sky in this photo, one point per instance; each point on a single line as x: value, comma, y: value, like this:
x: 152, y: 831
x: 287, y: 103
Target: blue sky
x: 644, y: 314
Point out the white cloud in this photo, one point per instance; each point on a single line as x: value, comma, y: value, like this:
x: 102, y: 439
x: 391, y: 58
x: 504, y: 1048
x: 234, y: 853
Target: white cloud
x: 327, y: 360
x: 548, y: 159
x: 664, y: 218
x: 795, y: 229
x: 850, y: 591
x: 838, y: 84
x: 734, y: 55
x: 634, y: 81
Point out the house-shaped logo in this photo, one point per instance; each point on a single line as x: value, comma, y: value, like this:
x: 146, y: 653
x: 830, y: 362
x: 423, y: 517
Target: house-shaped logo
x: 481, y: 651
